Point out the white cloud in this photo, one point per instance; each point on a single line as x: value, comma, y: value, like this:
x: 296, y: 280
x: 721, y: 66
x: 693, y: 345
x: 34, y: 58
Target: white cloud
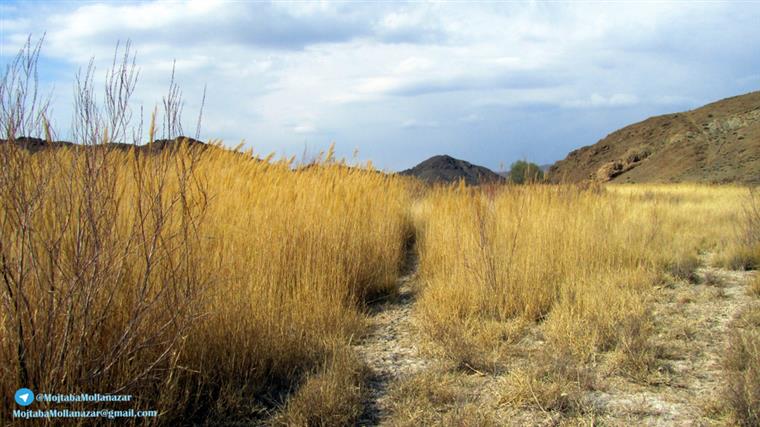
x: 597, y: 101
x: 304, y: 128
x: 366, y: 75
x: 417, y: 124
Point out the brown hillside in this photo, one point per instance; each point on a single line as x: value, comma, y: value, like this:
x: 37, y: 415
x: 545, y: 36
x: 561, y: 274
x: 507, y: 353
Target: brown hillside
x: 716, y: 143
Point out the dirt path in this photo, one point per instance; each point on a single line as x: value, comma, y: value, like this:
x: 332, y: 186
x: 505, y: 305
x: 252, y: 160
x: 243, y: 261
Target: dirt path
x: 389, y: 349
x: 692, y: 322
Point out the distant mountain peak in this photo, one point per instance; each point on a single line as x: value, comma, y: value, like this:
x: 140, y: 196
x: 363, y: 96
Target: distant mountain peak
x: 444, y: 168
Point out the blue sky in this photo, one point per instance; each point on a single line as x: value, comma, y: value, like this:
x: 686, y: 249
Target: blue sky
x: 489, y: 82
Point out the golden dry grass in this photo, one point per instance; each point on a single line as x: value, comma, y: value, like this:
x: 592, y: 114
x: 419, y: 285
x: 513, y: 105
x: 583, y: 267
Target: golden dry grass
x: 220, y: 288
x: 742, y: 368
x: 212, y: 280
x: 231, y: 287
x: 579, y: 263
x: 300, y: 252
x: 580, y: 260
x: 754, y: 288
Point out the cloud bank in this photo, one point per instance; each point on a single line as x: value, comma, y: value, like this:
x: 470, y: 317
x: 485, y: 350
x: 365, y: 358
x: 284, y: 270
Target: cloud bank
x: 489, y: 82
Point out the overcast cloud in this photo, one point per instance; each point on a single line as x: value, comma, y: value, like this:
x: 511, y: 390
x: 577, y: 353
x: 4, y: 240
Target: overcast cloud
x: 488, y: 82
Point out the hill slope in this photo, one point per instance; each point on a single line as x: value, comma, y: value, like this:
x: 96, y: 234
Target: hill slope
x: 719, y: 142
x: 448, y: 169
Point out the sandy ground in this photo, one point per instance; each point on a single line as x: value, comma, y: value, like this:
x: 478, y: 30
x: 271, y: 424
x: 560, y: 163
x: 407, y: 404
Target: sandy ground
x: 692, y: 322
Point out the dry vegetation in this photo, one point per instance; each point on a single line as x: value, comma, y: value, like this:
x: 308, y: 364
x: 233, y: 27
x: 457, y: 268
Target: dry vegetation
x: 207, y: 283
x: 220, y: 288
x: 550, y: 293
x: 205, y: 288
x: 272, y: 264
x: 742, y: 359
x: 298, y: 254
x: 581, y: 261
x: 742, y: 368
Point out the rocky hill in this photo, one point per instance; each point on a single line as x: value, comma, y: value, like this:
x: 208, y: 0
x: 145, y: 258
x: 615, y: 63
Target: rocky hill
x: 716, y: 143
x: 448, y: 169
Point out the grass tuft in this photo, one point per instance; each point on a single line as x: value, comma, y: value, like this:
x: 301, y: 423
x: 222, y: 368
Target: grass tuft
x: 556, y: 383
x: 330, y: 397
x: 742, y: 368
x: 754, y: 286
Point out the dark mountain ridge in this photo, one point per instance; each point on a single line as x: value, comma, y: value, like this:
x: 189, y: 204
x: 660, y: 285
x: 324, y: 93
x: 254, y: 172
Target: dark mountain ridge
x: 445, y: 169
x: 35, y: 145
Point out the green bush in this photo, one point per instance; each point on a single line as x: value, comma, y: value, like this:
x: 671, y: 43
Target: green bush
x: 521, y: 172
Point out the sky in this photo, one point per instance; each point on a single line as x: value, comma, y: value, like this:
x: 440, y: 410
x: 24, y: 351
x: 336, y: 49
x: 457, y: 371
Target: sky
x: 488, y: 82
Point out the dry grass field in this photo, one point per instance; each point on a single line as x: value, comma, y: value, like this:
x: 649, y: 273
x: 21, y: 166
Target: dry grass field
x: 208, y: 287
x: 220, y: 288
x: 563, y: 304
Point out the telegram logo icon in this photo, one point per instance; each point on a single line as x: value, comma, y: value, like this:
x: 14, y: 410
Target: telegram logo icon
x: 24, y: 397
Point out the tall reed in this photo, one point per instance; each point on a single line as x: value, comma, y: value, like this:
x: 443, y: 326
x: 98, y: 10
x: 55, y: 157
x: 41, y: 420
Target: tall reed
x: 207, y: 283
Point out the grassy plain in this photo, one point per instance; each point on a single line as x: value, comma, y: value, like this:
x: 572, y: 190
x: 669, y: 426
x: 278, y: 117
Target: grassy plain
x: 221, y: 288
x: 551, y: 291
